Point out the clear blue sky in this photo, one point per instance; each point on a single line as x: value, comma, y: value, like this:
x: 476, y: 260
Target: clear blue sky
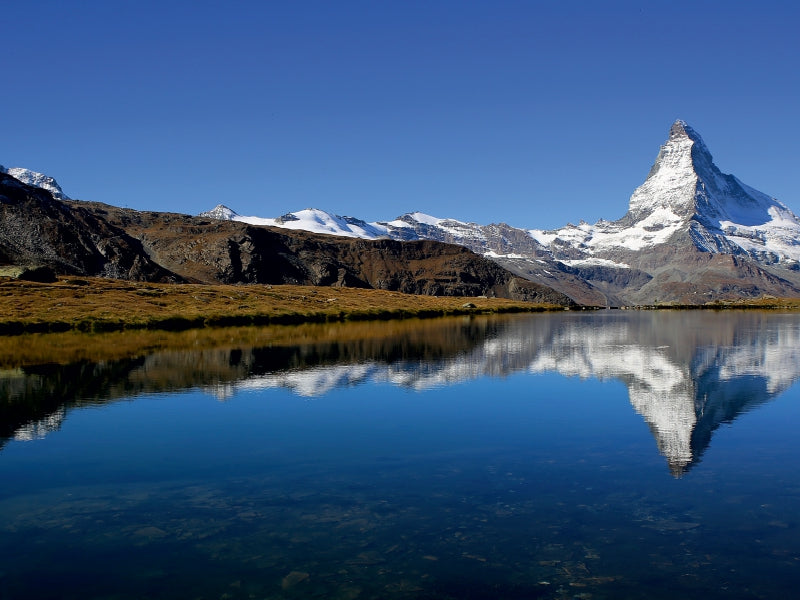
x: 534, y: 113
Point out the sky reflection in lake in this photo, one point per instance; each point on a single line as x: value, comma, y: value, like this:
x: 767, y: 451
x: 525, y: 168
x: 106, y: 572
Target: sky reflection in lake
x: 552, y: 456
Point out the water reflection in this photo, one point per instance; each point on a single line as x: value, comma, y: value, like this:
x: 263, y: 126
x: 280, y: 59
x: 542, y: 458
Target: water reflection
x: 686, y: 372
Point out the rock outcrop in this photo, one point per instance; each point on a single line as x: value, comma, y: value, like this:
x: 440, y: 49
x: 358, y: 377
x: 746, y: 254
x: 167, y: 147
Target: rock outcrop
x: 37, y: 230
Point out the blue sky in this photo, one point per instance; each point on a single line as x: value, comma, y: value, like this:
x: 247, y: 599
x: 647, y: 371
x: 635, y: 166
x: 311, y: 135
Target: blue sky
x: 533, y: 113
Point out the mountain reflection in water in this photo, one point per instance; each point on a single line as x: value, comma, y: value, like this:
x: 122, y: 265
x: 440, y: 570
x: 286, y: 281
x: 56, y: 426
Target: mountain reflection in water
x: 686, y: 372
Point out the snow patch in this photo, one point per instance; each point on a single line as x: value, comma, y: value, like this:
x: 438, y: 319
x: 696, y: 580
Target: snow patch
x: 595, y: 262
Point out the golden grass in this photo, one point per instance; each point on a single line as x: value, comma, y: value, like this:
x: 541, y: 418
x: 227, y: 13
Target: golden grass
x: 769, y: 302
x: 762, y: 303
x: 94, y: 304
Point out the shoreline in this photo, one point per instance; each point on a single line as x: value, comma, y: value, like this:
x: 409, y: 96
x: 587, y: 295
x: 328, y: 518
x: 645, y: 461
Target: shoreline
x: 105, y: 305
x: 94, y: 305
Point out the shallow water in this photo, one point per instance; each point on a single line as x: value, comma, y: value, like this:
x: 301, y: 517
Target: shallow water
x: 604, y: 455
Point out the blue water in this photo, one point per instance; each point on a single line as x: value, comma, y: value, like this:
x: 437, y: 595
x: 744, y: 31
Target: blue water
x: 537, y: 460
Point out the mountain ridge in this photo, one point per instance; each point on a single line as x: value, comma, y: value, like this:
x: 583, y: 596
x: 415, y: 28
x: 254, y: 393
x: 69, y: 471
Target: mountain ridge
x: 691, y: 235
x: 663, y: 249
x: 41, y: 236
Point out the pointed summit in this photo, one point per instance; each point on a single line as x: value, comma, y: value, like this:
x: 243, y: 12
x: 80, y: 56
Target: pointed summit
x: 221, y: 212
x: 678, y: 129
x: 700, y: 154
x: 686, y: 191
x: 685, y: 183
x: 672, y: 180
x: 681, y: 129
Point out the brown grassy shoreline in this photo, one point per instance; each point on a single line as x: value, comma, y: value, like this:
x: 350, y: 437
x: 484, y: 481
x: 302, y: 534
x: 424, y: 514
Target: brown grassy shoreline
x: 763, y: 303
x: 97, y: 304
x: 94, y: 304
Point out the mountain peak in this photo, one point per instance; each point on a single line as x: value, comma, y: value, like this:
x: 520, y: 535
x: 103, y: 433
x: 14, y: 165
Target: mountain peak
x: 681, y: 130
x: 36, y: 179
x: 221, y: 212
x: 672, y: 184
x: 678, y: 129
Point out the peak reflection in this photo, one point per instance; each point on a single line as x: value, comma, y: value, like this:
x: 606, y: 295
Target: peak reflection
x: 686, y: 372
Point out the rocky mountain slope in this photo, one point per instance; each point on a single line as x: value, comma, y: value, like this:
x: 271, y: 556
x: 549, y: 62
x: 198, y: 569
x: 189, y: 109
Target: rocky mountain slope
x: 210, y: 250
x: 691, y: 234
x: 38, y: 230
x: 86, y: 238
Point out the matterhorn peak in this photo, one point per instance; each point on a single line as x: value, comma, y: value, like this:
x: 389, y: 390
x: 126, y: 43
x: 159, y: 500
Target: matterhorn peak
x: 700, y: 154
x: 678, y: 129
x: 683, y: 164
x: 681, y: 129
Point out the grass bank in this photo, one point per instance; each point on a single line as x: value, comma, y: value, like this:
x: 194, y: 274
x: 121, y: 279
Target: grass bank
x: 762, y: 303
x: 94, y: 304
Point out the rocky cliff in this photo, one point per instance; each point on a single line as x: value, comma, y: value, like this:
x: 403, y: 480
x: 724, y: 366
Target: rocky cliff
x: 39, y: 230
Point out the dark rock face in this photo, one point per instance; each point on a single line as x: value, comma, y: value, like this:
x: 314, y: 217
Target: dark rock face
x: 38, y: 230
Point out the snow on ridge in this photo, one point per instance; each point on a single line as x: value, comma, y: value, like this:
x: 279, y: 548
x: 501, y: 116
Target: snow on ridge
x: 594, y: 262
x: 545, y: 238
x: 493, y: 254
x: 320, y: 221
x: 778, y: 236
x: 36, y: 179
x: 397, y: 223
x: 426, y: 219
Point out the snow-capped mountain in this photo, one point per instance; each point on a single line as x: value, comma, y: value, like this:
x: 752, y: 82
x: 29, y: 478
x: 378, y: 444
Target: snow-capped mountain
x: 685, y: 192
x: 411, y: 226
x: 691, y: 234
x: 35, y: 179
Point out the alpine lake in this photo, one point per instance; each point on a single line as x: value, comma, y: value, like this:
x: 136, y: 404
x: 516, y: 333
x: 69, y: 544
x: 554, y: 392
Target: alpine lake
x: 575, y: 455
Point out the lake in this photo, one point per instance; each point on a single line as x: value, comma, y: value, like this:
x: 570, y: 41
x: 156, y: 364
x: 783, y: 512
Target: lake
x: 588, y: 455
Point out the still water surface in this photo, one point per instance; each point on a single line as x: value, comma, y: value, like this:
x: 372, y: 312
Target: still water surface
x: 604, y: 455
